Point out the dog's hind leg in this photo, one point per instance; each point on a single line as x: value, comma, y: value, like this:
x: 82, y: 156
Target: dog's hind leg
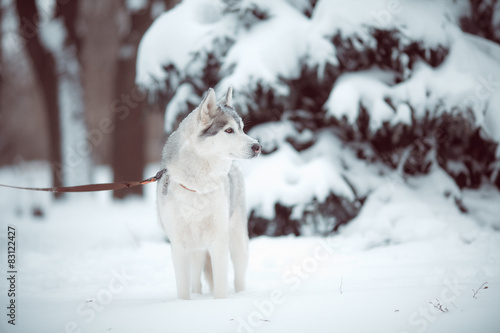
x: 197, y: 263
x: 181, y: 259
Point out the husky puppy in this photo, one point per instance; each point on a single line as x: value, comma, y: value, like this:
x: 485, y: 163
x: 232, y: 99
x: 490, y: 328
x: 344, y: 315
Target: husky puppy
x: 201, y: 202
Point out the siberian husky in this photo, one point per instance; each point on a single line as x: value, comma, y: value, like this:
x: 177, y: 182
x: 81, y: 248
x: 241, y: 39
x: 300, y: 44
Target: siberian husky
x: 201, y: 202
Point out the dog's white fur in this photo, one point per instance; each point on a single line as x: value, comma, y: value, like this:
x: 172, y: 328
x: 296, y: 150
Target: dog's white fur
x: 201, y: 202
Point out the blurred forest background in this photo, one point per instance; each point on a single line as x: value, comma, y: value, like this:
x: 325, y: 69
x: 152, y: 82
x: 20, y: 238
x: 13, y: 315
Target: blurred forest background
x: 88, y: 48
x: 406, y: 85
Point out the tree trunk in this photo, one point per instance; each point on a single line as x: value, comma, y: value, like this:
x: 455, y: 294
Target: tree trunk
x: 45, y: 72
x: 1, y: 61
x: 128, y: 109
x: 1, y: 39
x: 53, y: 48
x: 3, y: 143
x: 76, y: 149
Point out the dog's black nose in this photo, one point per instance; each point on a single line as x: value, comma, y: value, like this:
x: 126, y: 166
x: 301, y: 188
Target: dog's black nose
x: 256, y: 148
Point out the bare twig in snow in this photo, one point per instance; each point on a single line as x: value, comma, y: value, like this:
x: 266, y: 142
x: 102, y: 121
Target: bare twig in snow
x: 439, y: 306
x: 475, y: 292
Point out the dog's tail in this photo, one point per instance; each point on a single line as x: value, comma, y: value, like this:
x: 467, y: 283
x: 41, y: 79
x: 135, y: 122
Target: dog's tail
x: 207, y: 270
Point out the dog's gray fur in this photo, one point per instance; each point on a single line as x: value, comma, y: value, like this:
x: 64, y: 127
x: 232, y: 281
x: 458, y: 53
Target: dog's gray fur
x: 201, y: 204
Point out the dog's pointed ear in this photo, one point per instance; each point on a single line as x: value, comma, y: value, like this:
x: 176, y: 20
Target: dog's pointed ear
x: 208, y: 107
x: 228, y: 99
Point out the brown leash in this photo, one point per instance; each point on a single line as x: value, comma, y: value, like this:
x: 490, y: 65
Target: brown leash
x: 93, y: 187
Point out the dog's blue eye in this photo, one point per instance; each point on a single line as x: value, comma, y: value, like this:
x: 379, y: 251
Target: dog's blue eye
x: 229, y: 130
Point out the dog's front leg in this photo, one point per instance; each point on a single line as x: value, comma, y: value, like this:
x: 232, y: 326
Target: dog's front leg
x: 197, y: 263
x: 219, y: 255
x: 182, y: 262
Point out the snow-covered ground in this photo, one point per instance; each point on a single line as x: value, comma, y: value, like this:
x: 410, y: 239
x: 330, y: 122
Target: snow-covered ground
x: 408, y: 263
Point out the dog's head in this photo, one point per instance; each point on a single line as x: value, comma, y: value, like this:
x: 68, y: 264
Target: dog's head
x: 219, y: 129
